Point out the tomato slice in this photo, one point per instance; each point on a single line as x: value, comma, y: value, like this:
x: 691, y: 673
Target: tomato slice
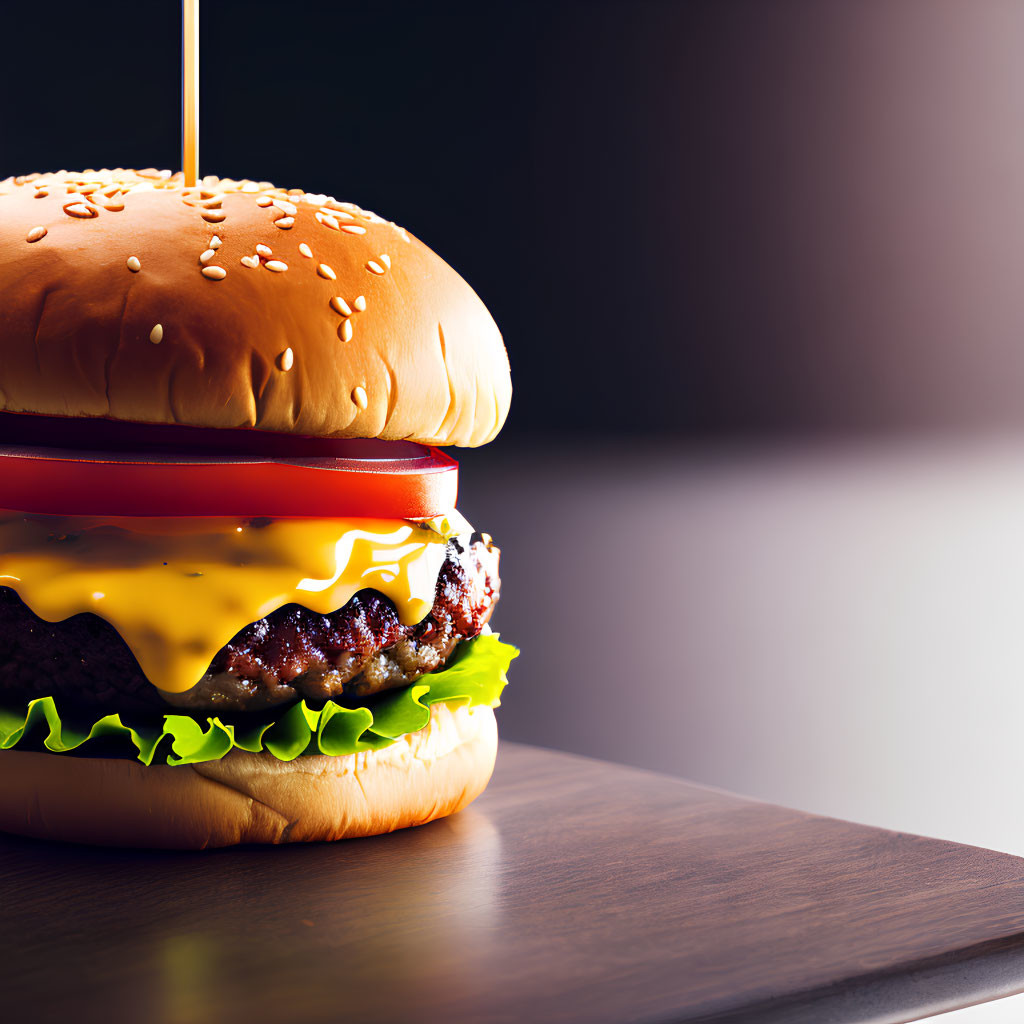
x: 386, y: 479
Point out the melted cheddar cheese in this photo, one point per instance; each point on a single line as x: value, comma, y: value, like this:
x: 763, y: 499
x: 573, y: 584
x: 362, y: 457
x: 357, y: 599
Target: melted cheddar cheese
x: 177, y: 590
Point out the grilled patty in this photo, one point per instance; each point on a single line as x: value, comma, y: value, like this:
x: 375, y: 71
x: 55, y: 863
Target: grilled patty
x: 354, y: 652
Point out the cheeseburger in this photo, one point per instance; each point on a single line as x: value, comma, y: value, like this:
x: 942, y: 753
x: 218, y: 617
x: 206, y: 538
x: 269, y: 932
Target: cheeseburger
x: 237, y: 601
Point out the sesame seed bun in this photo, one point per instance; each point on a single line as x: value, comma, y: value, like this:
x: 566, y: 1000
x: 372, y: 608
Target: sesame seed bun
x: 235, y: 304
x: 252, y: 798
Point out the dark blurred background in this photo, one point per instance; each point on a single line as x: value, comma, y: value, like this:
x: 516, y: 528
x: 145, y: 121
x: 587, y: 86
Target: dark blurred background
x: 760, y: 268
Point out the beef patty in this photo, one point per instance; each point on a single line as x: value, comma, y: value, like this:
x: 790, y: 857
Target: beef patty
x: 359, y: 650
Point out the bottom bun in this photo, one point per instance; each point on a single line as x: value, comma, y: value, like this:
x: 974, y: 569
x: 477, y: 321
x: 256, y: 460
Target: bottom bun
x: 252, y: 798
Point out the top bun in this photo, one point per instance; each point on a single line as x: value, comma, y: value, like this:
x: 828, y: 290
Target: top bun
x: 127, y: 296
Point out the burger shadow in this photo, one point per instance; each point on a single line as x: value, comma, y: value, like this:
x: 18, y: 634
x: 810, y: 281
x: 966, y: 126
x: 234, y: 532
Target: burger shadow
x: 204, y: 932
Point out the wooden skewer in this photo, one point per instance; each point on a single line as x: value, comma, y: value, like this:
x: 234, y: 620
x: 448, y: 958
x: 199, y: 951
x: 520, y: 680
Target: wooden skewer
x: 190, y: 91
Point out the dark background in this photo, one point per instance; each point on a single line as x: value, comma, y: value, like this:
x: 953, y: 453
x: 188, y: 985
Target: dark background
x: 732, y: 218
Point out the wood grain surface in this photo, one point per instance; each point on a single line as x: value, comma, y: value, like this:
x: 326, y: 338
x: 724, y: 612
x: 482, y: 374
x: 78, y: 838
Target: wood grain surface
x: 573, y: 890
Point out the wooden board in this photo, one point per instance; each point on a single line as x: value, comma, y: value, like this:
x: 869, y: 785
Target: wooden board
x: 574, y: 890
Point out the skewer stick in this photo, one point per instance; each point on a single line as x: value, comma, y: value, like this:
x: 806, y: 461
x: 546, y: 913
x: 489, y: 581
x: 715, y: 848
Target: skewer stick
x: 190, y: 91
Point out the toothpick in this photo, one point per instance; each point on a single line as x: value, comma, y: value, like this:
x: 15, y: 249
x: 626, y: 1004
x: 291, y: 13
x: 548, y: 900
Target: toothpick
x: 190, y: 91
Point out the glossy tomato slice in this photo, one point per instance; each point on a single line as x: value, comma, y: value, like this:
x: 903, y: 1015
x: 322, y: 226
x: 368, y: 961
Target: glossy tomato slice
x: 386, y: 479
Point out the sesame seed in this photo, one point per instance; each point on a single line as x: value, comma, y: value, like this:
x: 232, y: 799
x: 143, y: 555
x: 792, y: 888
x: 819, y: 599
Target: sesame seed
x: 286, y: 360
x: 386, y: 260
x: 214, y: 216
x: 207, y: 256
x: 157, y: 334
x: 41, y: 194
x: 345, y: 330
x: 113, y: 206
x: 306, y: 251
x: 359, y: 303
x: 374, y: 267
x: 328, y: 221
x: 264, y: 201
x: 215, y: 273
x: 35, y: 234
x: 81, y: 210
x: 340, y: 214
x: 359, y: 396
x: 285, y: 207
x: 134, y: 265
x: 277, y: 266
x: 264, y: 250
x: 325, y: 271
x: 252, y: 262
x: 215, y: 242
x: 339, y: 305
x: 284, y: 223
x: 354, y: 229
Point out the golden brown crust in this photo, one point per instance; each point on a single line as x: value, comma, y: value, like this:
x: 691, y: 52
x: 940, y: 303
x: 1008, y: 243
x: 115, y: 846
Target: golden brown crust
x: 109, y: 311
x: 251, y: 798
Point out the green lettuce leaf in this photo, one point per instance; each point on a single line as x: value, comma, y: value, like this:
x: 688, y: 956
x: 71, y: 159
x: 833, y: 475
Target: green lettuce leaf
x: 475, y: 677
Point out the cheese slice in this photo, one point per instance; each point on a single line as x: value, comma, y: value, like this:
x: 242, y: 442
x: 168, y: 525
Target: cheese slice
x: 177, y: 590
